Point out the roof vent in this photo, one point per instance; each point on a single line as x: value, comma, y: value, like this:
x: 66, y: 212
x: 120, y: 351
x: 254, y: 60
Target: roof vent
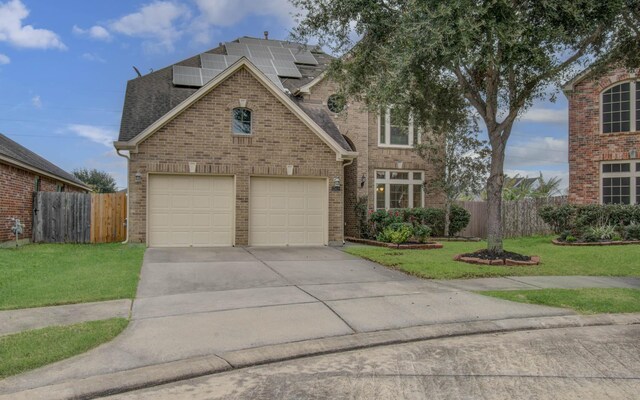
x: 266, y: 35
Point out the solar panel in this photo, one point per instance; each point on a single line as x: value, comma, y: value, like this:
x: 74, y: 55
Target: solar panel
x: 187, y: 76
x: 286, y: 69
x: 259, y: 51
x: 209, y: 74
x: 237, y: 49
x: 217, y: 61
x: 304, y: 57
x: 280, y: 53
x: 276, y: 80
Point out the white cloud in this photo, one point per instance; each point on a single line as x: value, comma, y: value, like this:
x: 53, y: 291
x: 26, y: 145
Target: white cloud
x: 36, y: 101
x: 93, y: 57
x: 229, y: 12
x: 4, y: 59
x: 95, y: 32
x: 15, y: 33
x: 94, y: 133
x: 549, y: 115
x: 156, y: 22
x: 537, y: 152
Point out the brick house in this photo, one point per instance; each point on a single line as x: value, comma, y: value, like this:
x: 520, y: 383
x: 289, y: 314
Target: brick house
x: 23, y: 172
x: 604, y: 137
x: 248, y: 144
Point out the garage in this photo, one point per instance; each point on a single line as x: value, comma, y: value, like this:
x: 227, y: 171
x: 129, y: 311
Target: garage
x: 190, y: 211
x: 288, y: 212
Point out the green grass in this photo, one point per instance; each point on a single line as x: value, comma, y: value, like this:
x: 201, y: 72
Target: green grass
x: 584, y: 301
x: 555, y: 260
x: 32, y: 349
x: 51, y: 274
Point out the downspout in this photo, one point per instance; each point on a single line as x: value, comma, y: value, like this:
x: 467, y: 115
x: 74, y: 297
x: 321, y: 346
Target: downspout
x: 128, y: 193
x: 343, y: 167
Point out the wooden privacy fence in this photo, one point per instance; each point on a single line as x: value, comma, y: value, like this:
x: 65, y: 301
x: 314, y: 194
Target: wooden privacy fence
x: 79, y: 217
x: 519, y: 218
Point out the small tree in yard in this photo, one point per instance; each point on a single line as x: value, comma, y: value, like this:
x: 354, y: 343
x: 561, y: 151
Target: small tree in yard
x: 464, y: 160
x: 99, y: 181
x: 502, y: 55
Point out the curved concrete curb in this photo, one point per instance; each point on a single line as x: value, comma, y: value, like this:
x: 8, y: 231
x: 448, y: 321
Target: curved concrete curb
x: 124, y: 381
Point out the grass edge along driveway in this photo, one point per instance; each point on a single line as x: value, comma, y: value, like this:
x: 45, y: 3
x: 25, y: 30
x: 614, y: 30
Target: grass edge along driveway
x: 38, y: 275
x: 583, y: 301
x: 24, y: 351
x: 555, y: 260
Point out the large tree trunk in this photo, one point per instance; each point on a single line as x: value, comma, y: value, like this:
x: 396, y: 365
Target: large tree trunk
x: 495, y: 184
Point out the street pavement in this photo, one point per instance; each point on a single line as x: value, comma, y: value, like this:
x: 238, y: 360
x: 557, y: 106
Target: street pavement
x: 586, y: 363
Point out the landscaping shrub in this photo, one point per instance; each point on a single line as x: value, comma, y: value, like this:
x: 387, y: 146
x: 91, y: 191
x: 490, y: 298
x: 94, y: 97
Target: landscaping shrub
x: 361, y: 218
x: 433, y: 218
x: 421, y: 233
x: 593, y: 222
x: 396, y: 233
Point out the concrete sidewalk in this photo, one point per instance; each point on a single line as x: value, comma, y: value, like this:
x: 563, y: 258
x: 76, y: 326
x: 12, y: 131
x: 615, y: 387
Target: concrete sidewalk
x: 14, y: 321
x: 541, y: 282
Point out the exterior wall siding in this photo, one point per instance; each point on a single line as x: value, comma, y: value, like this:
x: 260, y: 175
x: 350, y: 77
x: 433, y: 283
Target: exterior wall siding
x: 202, y: 134
x: 588, y: 147
x: 16, y: 198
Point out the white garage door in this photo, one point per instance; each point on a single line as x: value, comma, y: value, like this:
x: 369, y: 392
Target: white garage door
x: 288, y: 211
x: 190, y: 211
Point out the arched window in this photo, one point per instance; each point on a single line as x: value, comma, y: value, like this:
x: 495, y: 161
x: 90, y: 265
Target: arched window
x: 241, y: 121
x: 621, y: 108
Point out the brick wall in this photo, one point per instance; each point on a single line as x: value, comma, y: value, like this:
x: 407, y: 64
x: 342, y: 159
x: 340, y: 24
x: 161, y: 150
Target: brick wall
x: 16, y: 198
x: 202, y: 134
x: 587, y: 145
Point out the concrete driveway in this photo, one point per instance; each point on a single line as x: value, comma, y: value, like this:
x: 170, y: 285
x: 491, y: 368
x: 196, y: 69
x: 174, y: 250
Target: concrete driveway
x: 202, y: 302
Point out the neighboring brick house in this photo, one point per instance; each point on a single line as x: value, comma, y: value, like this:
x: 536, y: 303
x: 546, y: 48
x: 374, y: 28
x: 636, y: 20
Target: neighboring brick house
x: 22, y: 172
x: 258, y: 150
x: 604, y: 137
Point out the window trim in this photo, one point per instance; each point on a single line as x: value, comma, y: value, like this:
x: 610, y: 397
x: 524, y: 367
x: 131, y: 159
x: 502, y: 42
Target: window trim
x: 387, y: 132
x: 387, y: 181
x: 632, y: 174
x: 633, y: 83
x: 250, y: 121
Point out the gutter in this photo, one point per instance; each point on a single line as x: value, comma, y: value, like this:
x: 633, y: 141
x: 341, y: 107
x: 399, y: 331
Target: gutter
x: 126, y: 241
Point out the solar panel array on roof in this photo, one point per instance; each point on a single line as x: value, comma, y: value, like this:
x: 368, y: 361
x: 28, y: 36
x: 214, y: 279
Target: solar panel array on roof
x: 273, y: 49
x: 217, y: 61
x: 187, y: 76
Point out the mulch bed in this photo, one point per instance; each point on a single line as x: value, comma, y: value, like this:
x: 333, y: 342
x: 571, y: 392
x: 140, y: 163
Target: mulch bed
x: 616, y: 243
x: 484, y: 257
x: 404, y: 246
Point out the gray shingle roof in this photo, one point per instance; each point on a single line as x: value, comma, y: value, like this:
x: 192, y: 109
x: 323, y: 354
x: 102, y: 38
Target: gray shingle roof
x: 16, y: 152
x: 151, y: 96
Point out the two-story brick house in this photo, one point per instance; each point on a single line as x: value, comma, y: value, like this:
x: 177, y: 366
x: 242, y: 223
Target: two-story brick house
x: 248, y: 144
x: 604, y: 137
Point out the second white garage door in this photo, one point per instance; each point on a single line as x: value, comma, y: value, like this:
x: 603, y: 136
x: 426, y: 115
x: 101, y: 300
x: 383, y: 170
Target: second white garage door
x: 288, y: 211
x: 189, y: 211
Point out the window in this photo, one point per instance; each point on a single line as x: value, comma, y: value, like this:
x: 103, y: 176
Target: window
x: 241, y: 121
x: 336, y: 103
x: 621, y: 108
x: 59, y: 187
x: 395, y: 130
x: 621, y: 183
x: 37, y: 184
x: 399, y: 189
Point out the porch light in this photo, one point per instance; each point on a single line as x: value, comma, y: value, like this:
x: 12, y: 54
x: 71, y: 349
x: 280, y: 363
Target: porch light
x: 138, y: 177
x: 336, y: 184
x: 363, y: 180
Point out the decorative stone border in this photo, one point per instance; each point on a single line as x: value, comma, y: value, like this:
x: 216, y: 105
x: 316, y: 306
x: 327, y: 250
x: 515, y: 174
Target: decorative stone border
x: 456, y: 239
x: 617, y: 243
x: 535, y: 260
x: 410, y: 246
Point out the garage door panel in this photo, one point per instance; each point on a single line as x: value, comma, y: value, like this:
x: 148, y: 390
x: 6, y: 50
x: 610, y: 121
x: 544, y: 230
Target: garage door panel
x: 190, y: 210
x: 287, y: 211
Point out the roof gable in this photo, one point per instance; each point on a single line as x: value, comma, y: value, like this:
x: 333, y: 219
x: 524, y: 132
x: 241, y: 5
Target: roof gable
x: 342, y: 150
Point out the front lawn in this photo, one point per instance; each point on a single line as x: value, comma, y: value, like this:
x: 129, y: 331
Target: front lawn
x: 32, y: 349
x: 39, y: 275
x: 584, y: 301
x: 554, y: 260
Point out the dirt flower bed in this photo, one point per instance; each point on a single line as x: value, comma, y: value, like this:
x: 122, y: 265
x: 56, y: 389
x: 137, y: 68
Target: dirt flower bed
x: 558, y: 242
x: 402, y: 246
x: 484, y: 257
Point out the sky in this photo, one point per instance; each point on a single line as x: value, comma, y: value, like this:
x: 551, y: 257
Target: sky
x: 64, y: 66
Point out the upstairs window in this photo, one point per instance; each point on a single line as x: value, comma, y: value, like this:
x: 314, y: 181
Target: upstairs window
x: 621, y: 108
x: 241, y: 123
x: 396, y: 130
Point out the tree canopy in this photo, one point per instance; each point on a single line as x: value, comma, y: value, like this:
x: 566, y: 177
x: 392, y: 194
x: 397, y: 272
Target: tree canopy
x: 99, y: 181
